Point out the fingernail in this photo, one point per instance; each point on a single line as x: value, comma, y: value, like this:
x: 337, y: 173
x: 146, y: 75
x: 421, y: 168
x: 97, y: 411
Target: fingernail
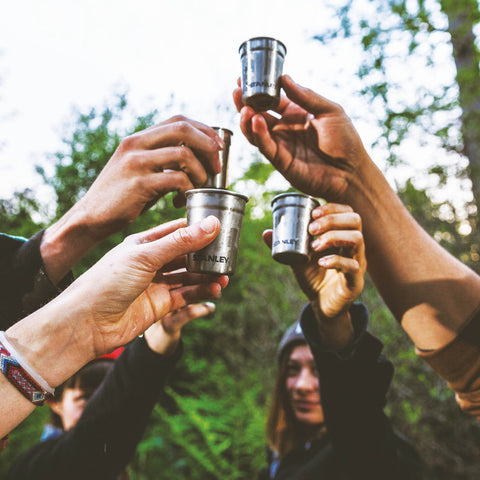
x: 209, y: 224
x: 315, y: 244
x: 220, y: 142
x: 210, y: 305
x: 313, y: 228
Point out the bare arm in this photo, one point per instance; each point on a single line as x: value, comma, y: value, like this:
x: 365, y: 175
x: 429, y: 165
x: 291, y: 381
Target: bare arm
x: 117, y: 299
x: 315, y: 146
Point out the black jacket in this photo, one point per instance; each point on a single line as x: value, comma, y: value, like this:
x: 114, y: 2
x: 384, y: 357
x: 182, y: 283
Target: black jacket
x: 104, y: 440
x: 24, y: 284
x: 360, y: 444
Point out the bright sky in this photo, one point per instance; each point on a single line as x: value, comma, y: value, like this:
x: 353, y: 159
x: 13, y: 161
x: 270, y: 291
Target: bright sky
x: 60, y: 54
x: 56, y: 54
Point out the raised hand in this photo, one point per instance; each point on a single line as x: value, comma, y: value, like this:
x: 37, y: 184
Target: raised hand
x: 334, y: 276
x: 163, y: 336
x: 143, y: 279
x: 314, y: 144
x: 174, y: 155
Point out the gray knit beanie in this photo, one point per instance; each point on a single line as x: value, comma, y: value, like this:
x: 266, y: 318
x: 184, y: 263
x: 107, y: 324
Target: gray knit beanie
x: 293, y: 334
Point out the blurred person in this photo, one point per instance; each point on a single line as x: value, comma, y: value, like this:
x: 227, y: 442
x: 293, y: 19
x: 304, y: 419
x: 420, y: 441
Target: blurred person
x: 99, y: 415
x: 434, y: 296
x: 326, y: 415
x: 174, y: 155
x: 133, y: 286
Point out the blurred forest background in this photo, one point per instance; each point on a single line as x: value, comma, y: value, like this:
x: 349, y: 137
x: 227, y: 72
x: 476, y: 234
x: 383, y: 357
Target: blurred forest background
x: 210, y: 422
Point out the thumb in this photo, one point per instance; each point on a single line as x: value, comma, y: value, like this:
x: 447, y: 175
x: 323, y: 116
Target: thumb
x: 306, y: 98
x: 182, y: 241
x: 267, y: 238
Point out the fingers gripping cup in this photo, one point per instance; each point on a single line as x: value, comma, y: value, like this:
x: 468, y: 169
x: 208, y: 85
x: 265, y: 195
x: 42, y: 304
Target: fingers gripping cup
x: 262, y: 65
x: 292, y: 213
x: 220, y: 256
x: 220, y: 180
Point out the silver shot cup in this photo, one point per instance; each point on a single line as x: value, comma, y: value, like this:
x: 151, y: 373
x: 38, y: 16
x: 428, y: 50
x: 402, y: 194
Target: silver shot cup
x: 220, y: 180
x: 220, y: 256
x: 262, y: 65
x: 292, y: 213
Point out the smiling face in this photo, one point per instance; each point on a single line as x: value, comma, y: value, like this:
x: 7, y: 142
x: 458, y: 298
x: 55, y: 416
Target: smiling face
x: 303, y: 387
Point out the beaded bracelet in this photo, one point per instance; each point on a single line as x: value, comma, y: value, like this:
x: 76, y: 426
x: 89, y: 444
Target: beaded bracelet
x: 29, y: 383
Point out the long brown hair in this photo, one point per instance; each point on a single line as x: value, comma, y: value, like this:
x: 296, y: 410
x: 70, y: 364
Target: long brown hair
x: 283, y: 428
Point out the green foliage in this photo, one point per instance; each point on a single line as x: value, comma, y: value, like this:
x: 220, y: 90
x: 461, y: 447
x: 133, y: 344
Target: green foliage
x: 420, y: 92
x: 390, y: 32
x: 210, y: 422
x: 17, y: 214
x: 88, y: 148
x: 207, y: 434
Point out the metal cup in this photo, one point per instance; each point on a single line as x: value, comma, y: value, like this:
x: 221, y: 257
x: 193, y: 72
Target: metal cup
x: 220, y: 180
x: 262, y: 64
x: 292, y: 213
x: 220, y: 256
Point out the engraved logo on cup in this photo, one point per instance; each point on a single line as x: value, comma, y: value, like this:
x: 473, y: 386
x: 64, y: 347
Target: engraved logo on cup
x: 289, y: 241
x: 198, y: 257
x: 264, y: 83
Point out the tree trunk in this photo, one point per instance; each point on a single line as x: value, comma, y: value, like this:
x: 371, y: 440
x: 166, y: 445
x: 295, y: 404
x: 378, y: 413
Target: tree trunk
x: 462, y: 16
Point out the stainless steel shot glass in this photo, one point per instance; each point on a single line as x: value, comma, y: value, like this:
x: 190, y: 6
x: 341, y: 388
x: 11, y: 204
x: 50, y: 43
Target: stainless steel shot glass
x: 220, y: 180
x: 262, y: 64
x: 292, y: 213
x: 220, y: 256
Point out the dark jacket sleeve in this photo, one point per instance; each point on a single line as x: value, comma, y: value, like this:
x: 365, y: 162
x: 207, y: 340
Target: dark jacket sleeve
x: 353, y: 388
x: 24, y: 284
x: 104, y: 440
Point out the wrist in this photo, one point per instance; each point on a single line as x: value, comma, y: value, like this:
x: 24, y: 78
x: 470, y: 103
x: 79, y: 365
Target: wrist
x: 336, y: 333
x: 165, y: 345
x: 53, y: 340
x: 65, y: 242
x: 362, y: 180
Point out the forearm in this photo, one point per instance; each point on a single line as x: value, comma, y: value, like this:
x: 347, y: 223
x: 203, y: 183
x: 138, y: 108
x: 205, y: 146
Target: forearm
x: 14, y: 407
x: 430, y: 292
x: 334, y: 333
x: 54, y: 342
x: 459, y: 364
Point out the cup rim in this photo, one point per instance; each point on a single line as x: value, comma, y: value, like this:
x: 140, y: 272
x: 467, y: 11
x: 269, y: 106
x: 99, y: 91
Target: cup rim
x: 216, y: 190
x: 263, y: 38
x: 223, y: 128
x: 294, y: 194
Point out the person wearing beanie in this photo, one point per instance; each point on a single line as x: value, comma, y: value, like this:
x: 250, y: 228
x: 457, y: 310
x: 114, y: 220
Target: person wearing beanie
x: 326, y: 418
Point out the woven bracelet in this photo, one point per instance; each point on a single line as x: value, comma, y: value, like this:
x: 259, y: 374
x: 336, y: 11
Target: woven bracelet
x: 29, y: 383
